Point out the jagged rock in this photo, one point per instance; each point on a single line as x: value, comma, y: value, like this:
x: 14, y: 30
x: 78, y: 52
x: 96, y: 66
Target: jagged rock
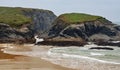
x: 23, y: 23
x: 42, y: 20
x: 89, y: 30
x: 8, y: 34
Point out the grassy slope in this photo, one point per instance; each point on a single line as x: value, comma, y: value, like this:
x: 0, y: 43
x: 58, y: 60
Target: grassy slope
x: 13, y: 16
x: 78, y: 17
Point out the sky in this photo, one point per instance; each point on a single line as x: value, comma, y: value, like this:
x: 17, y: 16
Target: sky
x: 109, y: 9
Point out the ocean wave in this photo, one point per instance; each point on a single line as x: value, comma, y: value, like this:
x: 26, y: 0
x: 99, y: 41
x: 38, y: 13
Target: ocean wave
x: 55, y: 54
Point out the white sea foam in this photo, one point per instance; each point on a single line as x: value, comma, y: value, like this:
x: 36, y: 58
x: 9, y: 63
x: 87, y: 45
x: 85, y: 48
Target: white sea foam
x: 115, y: 41
x: 79, y: 56
x: 36, y: 53
x: 96, y: 54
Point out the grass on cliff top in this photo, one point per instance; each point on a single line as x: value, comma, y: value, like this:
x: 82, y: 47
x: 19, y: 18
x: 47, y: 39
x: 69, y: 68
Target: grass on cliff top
x: 13, y: 16
x: 78, y: 17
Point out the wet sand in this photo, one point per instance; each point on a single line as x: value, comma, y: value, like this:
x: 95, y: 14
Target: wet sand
x: 35, y: 57
x: 7, y: 56
x: 19, y: 62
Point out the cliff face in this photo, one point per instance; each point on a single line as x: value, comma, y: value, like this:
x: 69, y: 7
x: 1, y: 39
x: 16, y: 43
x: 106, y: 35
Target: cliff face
x: 42, y: 19
x: 96, y: 28
x: 24, y: 23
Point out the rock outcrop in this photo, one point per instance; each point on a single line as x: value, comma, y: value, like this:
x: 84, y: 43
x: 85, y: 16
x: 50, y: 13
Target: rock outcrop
x: 42, y: 20
x: 101, y: 48
x: 8, y: 34
x: 87, y: 27
x: 23, y: 23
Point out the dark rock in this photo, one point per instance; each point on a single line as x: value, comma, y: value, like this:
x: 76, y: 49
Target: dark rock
x: 101, y: 48
x: 61, y: 41
x: 40, y: 24
x: 107, y: 43
x: 8, y: 34
x: 86, y: 30
x: 117, y: 27
x: 42, y: 20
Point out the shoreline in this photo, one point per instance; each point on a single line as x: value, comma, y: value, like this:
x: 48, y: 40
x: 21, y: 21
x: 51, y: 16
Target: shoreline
x: 26, y: 62
x: 42, y: 52
x: 80, y: 56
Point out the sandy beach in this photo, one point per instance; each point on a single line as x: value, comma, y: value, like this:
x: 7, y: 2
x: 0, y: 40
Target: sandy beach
x: 20, y: 62
x: 35, y: 57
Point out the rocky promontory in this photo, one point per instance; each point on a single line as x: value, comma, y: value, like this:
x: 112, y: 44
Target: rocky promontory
x: 23, y: 23
x: 85, y: 26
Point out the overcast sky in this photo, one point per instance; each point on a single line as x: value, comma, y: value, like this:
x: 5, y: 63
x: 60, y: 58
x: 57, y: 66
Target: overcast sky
x: 106, y: 8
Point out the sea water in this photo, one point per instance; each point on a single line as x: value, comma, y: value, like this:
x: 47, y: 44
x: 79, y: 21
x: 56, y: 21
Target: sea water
x: 106, y: 56
x: 74, y: 57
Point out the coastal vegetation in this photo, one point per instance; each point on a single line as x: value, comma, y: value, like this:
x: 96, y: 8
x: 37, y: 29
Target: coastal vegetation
x: 66, y: 28
x: 13, y: 16
x: 78, y: 17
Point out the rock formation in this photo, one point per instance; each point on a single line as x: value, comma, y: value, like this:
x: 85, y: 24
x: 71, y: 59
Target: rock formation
x: 24, y: 23
x: 85, y: 26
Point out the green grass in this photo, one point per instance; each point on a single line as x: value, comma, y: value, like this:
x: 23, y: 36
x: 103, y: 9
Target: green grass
x: 78, y: 17
x: 13, y: 16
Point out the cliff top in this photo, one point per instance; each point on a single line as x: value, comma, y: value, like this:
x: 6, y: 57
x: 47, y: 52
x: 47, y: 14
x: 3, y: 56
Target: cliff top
x: 78, y: 17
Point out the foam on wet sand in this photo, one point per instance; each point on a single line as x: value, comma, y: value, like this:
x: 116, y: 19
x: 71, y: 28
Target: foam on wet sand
x: 65, y: 60
x: 24, y: 61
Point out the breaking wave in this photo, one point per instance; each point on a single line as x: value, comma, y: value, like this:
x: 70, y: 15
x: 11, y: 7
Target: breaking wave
x: 57, y: 53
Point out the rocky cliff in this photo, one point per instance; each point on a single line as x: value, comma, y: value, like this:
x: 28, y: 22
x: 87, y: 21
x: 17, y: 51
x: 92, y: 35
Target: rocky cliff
x: 85, y: 26
x: 24, y: 23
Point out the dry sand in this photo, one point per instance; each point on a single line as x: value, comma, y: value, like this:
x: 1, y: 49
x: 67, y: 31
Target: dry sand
x: 17, y: 62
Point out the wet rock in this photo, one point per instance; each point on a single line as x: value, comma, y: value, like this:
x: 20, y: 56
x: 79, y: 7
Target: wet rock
x: 101, y: 48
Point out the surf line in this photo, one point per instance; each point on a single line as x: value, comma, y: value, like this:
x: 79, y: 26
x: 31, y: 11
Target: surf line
x: 79, y: 56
